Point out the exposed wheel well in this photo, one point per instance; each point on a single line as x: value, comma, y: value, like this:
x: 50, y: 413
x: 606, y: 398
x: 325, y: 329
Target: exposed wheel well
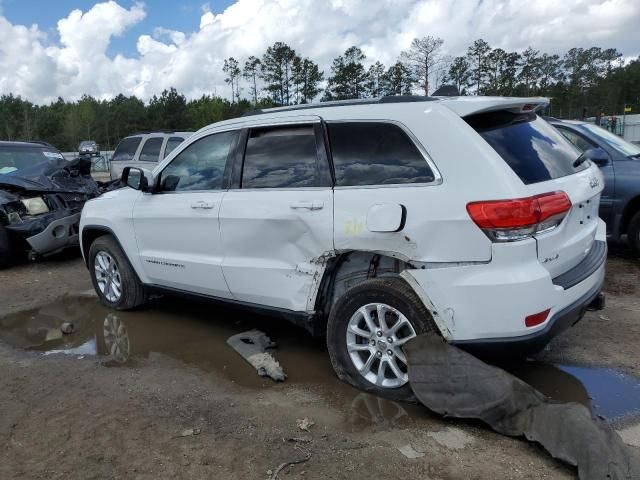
x: 349, y: 269
x: 629, y: 211
x: 89, y: 235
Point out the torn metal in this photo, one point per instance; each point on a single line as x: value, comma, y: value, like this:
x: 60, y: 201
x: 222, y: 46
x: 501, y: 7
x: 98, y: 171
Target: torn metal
x: 40, y: 204
x: 252, y: 345
x: 454, y: 383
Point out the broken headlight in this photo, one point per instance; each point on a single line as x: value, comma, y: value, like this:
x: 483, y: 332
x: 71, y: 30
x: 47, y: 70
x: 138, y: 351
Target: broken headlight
x: 35, y: 205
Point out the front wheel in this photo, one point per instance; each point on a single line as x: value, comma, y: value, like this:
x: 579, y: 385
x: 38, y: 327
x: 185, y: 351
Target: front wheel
x: 367, y: 329
x: 633, y: 234
x: 115, y: 282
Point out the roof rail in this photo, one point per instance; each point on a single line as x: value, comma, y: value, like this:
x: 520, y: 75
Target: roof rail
x: 144, y: 132
x: 344, y: 103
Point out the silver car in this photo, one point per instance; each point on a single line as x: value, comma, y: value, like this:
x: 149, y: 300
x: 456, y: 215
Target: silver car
x: 144, y: 150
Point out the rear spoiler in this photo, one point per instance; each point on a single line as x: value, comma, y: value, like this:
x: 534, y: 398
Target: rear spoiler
x: 464, y: 106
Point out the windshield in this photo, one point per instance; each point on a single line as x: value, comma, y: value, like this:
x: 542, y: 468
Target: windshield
x: 612, y: 140
x: 17, y: 158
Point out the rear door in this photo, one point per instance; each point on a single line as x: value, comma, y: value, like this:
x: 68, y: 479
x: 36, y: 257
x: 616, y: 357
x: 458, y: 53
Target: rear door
x: 544, y: 161
x: 278, y: 221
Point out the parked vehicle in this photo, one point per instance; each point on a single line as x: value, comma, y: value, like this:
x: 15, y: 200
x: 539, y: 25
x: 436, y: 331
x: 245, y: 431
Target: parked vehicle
x: 41, y: 196
x: 619, y: 162
x: 88, y: 147
x: 144, y: 150
x: 368, y: 221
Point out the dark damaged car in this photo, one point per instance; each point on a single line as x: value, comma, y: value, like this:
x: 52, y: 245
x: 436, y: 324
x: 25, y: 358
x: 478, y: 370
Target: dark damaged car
x: 41, y: 197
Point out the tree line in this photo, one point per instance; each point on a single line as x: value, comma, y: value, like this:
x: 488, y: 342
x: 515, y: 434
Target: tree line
x: 582, y: 82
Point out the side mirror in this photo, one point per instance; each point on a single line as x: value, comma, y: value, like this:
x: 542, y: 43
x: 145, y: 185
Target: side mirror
x: 137, y: 178
x: 598, y: 156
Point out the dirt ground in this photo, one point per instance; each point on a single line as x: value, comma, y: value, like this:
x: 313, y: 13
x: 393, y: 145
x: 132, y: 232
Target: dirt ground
x: 81, y: 416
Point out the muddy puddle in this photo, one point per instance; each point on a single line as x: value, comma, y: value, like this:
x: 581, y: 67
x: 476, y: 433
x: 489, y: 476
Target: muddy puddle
x: 195, y: 333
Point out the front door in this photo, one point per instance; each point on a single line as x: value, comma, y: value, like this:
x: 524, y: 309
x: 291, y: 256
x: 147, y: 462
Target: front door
x: 177, y: 228
x: 279, y: 221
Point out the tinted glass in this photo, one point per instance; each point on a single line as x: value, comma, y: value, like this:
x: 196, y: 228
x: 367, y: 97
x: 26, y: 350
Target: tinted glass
x: 578, y: 141
x: 281, y: 158
x: 200, y: 166
x: 533, y: 149
x: 151, y: 150
x: 172, y: 143
x: 376, y: 154
x: 614, y: 141
x: 126, y: 149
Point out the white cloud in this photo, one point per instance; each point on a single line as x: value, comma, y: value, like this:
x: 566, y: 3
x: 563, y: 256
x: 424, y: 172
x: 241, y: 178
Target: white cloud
x: 40, y: 69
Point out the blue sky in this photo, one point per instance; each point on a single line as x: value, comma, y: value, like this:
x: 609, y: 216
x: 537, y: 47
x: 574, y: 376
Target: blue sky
x: 112, y: 47
x: 182, y: 15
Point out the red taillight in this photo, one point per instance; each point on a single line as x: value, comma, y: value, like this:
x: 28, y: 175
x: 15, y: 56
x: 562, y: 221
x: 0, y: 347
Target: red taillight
x: 507, y: 220
x: 536, y: 318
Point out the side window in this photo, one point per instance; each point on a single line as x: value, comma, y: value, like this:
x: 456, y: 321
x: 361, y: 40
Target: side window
x: 151, y: 150
x: 200, y: 166
x: 172, y: 143
x: 375, y: 154
x: 281, y: 157
x: 578, y: 141
x: 126, y: 149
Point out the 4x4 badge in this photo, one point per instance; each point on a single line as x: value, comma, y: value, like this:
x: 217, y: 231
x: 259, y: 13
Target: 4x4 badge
x: 594, y: 182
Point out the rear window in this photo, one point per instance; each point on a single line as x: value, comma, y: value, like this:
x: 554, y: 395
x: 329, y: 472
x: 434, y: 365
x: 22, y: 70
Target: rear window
x: 126, y: 149
x: 533, y: 149
x: 375, y: 154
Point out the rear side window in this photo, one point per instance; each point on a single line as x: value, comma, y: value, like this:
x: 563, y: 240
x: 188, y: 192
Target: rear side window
x: 578, y: 141
x: 126, y: 149
x: 172, y: 143
x: 534, y: 150
x: 151, y: 150
x: 376, y: 154
x: 283, y: 157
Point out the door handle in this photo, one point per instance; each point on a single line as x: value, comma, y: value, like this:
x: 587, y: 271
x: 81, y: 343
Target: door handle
x: 308, y: 205
x: 203, y: 205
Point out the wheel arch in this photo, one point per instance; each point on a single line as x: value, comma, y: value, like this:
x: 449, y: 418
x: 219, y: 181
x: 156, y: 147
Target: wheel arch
x: 630, y: 209
x: 350, y: 268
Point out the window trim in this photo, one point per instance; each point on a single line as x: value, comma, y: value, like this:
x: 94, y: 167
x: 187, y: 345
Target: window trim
x: 324, y: 175
x: 225, y: 174
x: 437, y: 177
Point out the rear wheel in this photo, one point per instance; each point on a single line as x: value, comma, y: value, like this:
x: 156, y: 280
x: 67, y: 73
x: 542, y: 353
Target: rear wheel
x: 114, y: 280
x: 367, y: 329
x: 6, y: 251
x: 633, y: 234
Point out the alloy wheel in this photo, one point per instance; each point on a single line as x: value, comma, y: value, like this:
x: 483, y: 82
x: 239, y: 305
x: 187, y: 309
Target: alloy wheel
x: 375, y: 335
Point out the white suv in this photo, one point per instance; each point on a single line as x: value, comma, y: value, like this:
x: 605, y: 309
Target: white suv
x: 371, y: 221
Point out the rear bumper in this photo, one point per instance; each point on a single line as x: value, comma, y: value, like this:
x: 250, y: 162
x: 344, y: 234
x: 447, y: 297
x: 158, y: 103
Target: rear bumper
x: 487, y: 303
x: 535, y: 342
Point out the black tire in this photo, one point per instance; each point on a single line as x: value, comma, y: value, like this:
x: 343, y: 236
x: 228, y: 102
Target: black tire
x: 132, y: 291
x: 393, y: 292
x: 633, y: 234
x: 6, y: 250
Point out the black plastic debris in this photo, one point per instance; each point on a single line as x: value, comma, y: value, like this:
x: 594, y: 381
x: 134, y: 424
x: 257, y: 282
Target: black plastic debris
x: 456, y: 384
x: 252, y: 345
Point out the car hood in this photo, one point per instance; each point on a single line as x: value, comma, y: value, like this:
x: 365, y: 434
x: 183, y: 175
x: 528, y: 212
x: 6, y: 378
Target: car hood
x: 56, y: 176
